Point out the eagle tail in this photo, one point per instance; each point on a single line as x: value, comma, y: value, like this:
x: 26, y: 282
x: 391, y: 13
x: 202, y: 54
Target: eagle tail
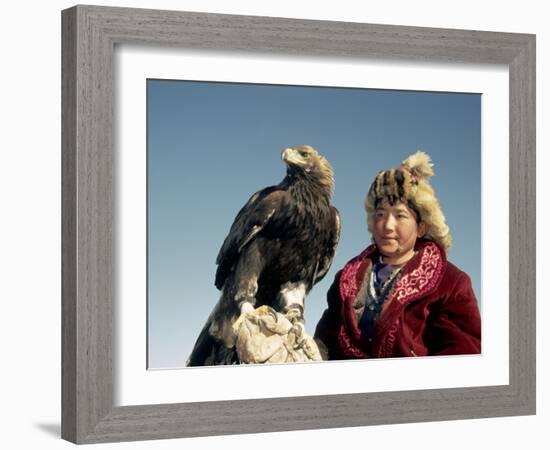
x: 209, y: 351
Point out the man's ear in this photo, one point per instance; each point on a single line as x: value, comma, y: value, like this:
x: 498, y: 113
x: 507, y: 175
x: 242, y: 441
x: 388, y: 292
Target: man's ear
x: 422, y: 229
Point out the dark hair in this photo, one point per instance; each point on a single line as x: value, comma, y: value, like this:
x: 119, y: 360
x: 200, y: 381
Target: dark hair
x: 392, y: 199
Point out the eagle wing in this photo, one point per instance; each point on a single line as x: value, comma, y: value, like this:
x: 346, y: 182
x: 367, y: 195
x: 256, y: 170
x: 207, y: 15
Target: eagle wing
x: 250, y: 220
x: 326, y: 259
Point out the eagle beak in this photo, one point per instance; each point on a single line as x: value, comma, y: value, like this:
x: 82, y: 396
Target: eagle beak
x: 285, y: 154
x: 288, y: 155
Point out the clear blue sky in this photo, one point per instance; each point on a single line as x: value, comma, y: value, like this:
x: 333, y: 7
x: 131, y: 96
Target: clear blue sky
x: 211, y: 145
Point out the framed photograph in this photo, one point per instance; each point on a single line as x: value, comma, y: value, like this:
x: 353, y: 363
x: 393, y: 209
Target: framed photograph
x: 358, y: 131
x: 172, y: 120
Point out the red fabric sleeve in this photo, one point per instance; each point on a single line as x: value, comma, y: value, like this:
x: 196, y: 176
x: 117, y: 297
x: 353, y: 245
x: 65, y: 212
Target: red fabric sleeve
x: 454, y: 326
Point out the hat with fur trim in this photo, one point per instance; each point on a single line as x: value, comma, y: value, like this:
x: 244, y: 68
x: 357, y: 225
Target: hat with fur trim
x: 410, y: 183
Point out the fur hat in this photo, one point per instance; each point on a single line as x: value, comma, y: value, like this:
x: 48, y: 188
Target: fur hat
x: 410, y: 183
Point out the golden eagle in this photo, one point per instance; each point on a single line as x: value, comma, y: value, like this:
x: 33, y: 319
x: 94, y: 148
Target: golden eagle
x: 280, y: 245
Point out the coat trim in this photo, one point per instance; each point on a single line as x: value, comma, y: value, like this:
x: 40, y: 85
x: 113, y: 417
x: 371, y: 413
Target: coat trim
x: 420, y: 276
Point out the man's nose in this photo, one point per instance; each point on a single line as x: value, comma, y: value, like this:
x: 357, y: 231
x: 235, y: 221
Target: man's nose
x: 389, y: 223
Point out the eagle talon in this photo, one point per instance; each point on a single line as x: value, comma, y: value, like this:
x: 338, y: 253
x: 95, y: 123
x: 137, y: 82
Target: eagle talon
x: 295, y: 315
x: 298, y: 330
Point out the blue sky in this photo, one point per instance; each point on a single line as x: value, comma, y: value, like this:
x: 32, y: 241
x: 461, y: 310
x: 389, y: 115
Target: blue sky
x: 211, y: 145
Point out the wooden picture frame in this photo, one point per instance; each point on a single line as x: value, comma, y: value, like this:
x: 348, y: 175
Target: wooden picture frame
x: 90, y: 34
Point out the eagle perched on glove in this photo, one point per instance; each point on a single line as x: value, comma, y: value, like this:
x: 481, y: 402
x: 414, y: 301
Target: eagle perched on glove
x: 282, y: 242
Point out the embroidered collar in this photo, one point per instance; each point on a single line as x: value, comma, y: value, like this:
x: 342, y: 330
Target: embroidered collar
x: 420, y: 275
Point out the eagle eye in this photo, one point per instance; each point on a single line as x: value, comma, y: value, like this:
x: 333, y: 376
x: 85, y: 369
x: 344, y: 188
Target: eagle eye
x: 304, y: 154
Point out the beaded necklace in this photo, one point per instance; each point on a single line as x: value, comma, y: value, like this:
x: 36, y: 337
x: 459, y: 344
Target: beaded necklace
x: 376, y: 291
x: 376, y: 295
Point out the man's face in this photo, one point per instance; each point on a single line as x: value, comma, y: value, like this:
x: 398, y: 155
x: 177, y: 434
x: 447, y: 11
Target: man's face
x: 396, y: 231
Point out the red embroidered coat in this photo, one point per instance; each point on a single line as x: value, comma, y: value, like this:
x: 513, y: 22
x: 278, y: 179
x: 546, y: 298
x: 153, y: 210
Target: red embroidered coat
x: 431, y: 310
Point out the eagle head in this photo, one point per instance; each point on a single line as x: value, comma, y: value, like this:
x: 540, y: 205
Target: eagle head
x: 304, y: 161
